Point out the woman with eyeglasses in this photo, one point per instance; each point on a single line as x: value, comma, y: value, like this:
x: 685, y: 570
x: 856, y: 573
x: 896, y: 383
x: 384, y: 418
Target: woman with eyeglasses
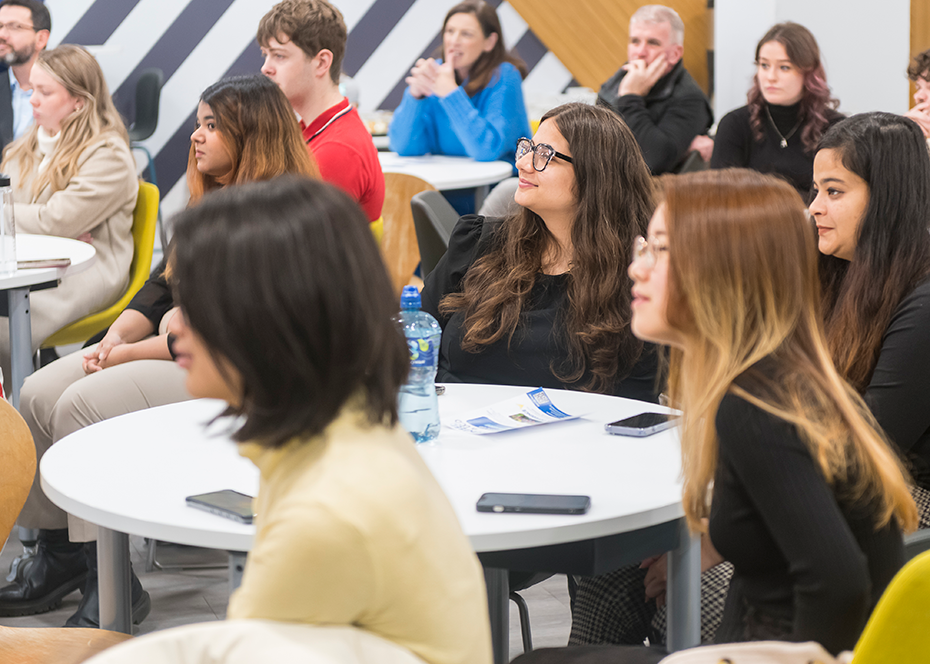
x: 542, y: 297
x: 786, y: 473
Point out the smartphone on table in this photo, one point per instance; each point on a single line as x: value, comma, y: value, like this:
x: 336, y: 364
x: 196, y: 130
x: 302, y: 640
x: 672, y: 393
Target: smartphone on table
x: 644, y: 424
x: 533, y: 503
x: 226, y: 503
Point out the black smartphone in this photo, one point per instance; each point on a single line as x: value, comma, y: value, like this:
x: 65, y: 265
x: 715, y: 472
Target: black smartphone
x: 226, y: 503
x: 644, y: 424
x: 533, y: 503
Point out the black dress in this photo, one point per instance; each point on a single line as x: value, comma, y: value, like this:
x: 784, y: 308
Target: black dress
x: 539, y: 340
x: 735, y: 146
x: 809, y: 564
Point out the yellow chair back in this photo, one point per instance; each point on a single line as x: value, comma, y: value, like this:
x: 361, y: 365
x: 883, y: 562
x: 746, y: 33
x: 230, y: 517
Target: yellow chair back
x: 897, y: 631
x: 144, y: 220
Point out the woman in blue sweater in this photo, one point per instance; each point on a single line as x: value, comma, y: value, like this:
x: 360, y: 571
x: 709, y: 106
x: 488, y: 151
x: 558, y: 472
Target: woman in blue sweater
x: 469, y: 103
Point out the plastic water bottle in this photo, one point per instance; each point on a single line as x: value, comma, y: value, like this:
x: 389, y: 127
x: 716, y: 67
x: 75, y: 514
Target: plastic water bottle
x: 418, y: 407
x: 7, y: 227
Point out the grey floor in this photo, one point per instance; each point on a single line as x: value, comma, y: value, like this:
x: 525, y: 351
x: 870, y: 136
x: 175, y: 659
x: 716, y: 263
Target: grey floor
x: 191, y: 596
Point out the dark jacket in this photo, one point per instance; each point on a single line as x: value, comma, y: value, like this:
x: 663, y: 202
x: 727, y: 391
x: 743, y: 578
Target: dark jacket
x: 6, y: 108
x: 666, y: 120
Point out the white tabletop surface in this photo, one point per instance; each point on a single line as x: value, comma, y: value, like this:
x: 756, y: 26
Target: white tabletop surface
x: 132, y: 473
x: 447, y: 172
x: 34, y: 247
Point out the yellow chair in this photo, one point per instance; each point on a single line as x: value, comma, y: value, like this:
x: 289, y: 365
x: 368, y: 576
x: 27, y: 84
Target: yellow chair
x: 897, y: 631
x: 144, y: 221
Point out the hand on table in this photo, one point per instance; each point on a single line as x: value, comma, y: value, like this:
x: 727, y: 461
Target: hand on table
x: 921, y: 115
x: 422, y: 77
x: 703, y: 145
x: 640, y: 77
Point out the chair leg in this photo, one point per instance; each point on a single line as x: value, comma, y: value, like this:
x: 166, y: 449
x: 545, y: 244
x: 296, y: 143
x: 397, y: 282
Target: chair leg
x: 524, y: 612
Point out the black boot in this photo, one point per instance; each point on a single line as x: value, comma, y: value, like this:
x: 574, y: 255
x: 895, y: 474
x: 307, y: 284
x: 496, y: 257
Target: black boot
x: 57, y: 569
x: 88, y: 611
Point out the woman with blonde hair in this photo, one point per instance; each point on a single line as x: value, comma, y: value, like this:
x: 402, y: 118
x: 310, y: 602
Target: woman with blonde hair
x: 132, y: 368
x: 785, y: 471
x: 73, y: 176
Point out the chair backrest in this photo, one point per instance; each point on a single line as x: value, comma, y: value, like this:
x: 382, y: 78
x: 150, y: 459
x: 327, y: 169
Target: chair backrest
x: 144, y: 221
x: 897, y: 631
x: 399, y: 244
x: 433, y: 219
x: 18, y: 466
x: 148, y: 93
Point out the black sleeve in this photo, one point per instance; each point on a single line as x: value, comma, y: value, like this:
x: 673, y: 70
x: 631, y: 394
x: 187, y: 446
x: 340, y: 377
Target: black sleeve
x: 154, y: 299
x: 829, y: 573
x: 465, y: 245
x: 732, y: 141
x: 899, y: 393
x: 664, y: 143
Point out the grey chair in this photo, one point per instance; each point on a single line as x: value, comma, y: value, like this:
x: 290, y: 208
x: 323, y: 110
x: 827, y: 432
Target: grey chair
x: 916, y: 543
x: 433, y: 220
x: 148, y: 95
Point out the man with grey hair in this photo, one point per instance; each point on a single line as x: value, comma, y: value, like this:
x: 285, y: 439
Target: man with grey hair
x: 652, y: 92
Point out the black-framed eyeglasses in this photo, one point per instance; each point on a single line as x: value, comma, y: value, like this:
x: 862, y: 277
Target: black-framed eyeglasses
x: 542, y: 153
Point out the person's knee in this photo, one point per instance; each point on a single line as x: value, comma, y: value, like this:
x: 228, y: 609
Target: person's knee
x: 74, y: 410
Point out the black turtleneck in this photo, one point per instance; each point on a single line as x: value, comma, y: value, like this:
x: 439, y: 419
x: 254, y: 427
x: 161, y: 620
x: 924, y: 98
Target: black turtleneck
x: 735, y: 145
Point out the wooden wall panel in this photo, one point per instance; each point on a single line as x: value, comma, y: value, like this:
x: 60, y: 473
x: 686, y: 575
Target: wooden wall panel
x: 920, y: 31
x: 590, y: 36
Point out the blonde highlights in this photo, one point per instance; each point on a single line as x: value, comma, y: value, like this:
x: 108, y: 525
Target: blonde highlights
x: 80, y: 74
x: 742, y: 288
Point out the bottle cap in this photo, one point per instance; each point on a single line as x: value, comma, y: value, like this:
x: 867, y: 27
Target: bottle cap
x: 410, y: 298
x: 4, y: 180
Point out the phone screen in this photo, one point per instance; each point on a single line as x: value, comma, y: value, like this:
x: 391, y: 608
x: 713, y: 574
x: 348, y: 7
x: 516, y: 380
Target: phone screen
x: 644, y: 420
x: 533, y: 503
x: 228, y: 503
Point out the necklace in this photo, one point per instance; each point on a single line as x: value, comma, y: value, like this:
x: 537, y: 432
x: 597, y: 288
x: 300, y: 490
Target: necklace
x: 784, y: 139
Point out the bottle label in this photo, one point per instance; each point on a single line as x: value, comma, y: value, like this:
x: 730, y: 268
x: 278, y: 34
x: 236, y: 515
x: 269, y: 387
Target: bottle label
x: 422, y: 353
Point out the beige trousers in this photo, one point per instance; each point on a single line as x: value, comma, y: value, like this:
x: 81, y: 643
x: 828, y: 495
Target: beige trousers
x: 60, y: 399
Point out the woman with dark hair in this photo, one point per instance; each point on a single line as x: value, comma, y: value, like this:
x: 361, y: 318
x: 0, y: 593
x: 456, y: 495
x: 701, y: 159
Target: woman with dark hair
x: 290, y: 321
x: 872, y: 209
x: 469, y: 102
x: 131, y: 368
x: 789, y: 110
x: 786, y: 473
x: 540, y: 298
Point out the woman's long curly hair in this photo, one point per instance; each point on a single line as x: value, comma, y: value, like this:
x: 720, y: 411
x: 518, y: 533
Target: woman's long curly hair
x: 613, y: 200
x: 804, y: 54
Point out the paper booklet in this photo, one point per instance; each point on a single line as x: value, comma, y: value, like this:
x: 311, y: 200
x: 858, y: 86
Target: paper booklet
x: 527, y: 410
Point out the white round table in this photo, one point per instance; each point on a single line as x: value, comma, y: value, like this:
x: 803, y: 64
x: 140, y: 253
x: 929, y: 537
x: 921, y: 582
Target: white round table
x: 447, y: 173
x: 18, y: 284
x: 131, y: 474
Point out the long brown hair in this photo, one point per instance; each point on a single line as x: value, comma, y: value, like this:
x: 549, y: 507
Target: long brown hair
x: 892, y: 244
x: 80, y: 74
x: 483, y: 70
x: 614, y: 199
x: 802, y: 50
x: 742, y: 287
x: 260, y: 132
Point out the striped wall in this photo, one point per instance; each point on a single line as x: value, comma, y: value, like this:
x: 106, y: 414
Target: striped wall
x: 196, y: 42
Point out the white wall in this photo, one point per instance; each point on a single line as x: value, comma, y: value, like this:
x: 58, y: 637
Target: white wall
x: 865, y: 46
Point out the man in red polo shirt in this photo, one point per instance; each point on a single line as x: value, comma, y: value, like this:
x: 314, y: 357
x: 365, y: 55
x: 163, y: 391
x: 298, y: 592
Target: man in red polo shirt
x: 303, y: 42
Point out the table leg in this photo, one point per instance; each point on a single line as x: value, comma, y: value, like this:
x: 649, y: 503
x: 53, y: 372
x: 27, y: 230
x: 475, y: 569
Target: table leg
x: 236, y: 568
x: 113, y: 577
x: 498, y: 585
x: 684, y: 591
x: 20, y: 340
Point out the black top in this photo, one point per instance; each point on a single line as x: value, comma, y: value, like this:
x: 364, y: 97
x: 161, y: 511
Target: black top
x: 154, y: 299
x: 734, y: 145
x: 666, y: 120
x: 808, y: 566
x: 539, y: 338
x: 899, y: 392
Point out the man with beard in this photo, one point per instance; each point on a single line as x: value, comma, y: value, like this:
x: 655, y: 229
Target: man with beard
x: 25, y: 26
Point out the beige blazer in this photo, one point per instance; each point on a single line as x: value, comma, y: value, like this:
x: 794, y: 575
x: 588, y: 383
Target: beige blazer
x: 98, y: 200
